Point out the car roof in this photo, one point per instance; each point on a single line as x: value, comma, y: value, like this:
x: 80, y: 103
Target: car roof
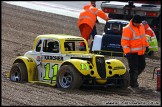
x: 118, y: 21
x: 58, y: 36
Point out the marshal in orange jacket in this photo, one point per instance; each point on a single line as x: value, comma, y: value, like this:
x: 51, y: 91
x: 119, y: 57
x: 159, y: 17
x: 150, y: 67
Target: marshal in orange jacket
x: 88, y: 16
x: 134, y: 39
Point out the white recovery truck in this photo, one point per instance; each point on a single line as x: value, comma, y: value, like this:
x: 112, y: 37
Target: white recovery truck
x: 149, y: 10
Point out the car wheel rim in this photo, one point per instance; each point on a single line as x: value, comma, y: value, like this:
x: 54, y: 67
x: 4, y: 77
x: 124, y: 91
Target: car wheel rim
x: 65, y: 80
x: 15, y: 75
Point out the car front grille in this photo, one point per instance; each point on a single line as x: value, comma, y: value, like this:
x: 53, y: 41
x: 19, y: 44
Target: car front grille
x: 100, y: 62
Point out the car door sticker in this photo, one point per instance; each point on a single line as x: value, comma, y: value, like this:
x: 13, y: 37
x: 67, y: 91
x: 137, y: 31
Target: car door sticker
x: 59, y: 58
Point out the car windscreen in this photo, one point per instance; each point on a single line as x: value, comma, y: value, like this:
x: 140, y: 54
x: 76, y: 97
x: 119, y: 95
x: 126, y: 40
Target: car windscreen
x: 74, y: 45
x: 114, y: 28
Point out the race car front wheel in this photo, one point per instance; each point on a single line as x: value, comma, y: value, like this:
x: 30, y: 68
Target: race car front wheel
x: 68, y: 77
x: 18, y: 73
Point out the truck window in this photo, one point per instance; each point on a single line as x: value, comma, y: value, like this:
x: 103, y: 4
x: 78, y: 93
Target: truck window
x: 113, y: 28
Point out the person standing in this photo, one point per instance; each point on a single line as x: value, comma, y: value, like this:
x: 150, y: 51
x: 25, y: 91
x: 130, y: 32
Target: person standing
x: 87, y: 20
x: 151, y: 37
x: 94, y: 31
x: 134, y: 43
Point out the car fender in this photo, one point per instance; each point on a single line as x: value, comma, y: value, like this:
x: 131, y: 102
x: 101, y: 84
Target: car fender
x: 97, y: 43
x: 115, y: 66
x: 30, y: 65
x: 83, y: 66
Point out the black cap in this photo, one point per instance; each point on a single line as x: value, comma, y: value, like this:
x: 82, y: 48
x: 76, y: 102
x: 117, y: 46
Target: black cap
x: 137, y: 19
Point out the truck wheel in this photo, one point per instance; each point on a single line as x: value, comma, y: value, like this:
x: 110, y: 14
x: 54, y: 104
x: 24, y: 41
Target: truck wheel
x: 68, y: 78
x: 126, y: 80
x: 19, y: 73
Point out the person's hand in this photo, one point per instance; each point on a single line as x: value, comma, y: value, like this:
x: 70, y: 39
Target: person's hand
x: 108, y: 19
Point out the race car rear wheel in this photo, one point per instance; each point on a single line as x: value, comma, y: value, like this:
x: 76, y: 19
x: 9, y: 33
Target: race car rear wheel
x: 126, y: 80
x: 18, y: 73
x: 68, y: 78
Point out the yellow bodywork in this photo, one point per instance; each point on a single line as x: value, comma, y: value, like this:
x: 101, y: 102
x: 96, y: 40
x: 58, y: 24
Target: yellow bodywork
x: 85, y: 68
x: 30, y: 66
x: 116, y: 67
x: 62, y: 38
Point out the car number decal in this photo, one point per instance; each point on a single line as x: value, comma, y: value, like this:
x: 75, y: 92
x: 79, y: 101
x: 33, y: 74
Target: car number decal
x: 84, y: 66
x: 47, y: 71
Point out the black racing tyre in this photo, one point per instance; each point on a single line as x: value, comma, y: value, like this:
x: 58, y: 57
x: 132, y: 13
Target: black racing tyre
x: 19, y: 73
x: 126, y: 80
x: 68, y: 78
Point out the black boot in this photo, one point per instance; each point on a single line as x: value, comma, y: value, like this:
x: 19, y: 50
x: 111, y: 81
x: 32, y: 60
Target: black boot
x: 133, y: 79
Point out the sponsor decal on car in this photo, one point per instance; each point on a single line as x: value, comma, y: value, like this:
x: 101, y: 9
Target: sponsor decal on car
x: 59, y: 58
x: 38, y: 58
x: 119, y: 67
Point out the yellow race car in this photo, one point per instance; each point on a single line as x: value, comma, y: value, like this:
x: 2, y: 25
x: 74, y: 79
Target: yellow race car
x: 56, y: 59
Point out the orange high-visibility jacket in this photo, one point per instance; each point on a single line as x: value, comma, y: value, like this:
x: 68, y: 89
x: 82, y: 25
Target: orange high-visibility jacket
x: 89, y: 15
x: 149, y: 31
x: 134, y: 39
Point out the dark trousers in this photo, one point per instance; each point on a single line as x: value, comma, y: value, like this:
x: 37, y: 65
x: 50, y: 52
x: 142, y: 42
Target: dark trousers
x: 137, y: 65
x: 94, y: 32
